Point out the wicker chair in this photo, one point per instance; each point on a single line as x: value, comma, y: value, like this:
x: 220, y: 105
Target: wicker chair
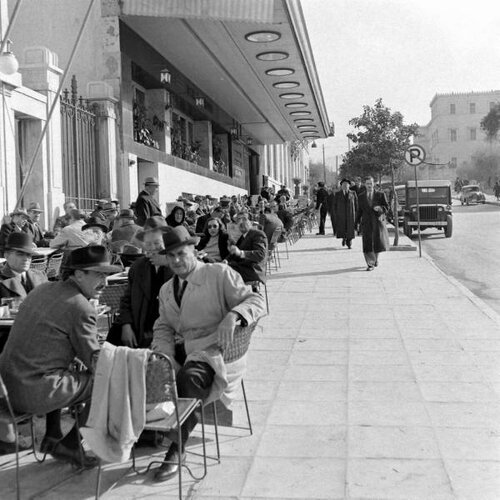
x: 39, y: 262
x: 161, y: 387
x: 54, y: 265
x: 111, y: 296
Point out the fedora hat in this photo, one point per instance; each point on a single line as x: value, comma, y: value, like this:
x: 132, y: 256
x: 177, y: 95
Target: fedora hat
x: 345, y: 180
x: 177, y: 237
x: 126, y: 213
x: 129, y: 250
x: 155, y: 223
x: 96, y: 222
x: 22, y: 242
x: 19, y: 211
x: 151, y: 181
x: 92, y: 258
x: 34, y: 207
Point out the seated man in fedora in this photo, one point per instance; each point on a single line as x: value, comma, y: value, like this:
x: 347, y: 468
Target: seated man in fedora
x: 33, y: 225
x: 17, y: 279
x: 18, y: 219
x: 139, y: 304
x: 200, y: 306
x: 125, y: 228
x: 55, y: 324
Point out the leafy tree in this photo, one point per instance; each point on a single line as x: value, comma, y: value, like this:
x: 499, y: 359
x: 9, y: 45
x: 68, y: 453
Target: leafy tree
x: 491, y: 123
x: 485, y: 167
x: 317, y: 174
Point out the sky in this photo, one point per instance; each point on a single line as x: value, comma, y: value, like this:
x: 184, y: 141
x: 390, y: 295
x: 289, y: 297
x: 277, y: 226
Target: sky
x: 404, y: 51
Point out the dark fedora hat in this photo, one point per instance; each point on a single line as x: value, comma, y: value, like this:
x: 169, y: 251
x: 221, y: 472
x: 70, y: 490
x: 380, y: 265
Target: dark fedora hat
x: 22, y: 242
x: 34, y: 206
x: 96, y: 222
x: 92, y: 258
x: 126, y: 213
x: 155, y: 223
x: 20, y: 211
x: 177, y: 237
x: 345, y: 180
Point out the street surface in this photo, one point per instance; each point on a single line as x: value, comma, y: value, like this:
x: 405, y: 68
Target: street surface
x: 471, y: 255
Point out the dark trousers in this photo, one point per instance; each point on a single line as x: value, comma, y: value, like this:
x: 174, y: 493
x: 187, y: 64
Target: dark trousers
x: 194, y: 380
x: 322, y: 218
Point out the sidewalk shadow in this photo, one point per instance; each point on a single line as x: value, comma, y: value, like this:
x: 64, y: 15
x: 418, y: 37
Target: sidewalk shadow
x: 328, y: 249
x: 356, y: 269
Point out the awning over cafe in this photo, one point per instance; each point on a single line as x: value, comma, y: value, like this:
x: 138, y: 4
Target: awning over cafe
x: 262, y: 74
x: 226, y: 10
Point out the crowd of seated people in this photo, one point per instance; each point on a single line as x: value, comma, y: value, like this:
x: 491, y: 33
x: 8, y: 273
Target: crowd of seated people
x: 165, y: 256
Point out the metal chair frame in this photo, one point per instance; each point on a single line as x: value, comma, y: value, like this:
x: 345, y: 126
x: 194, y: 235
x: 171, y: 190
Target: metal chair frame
x: 189, y: 405
x: 54, y: 265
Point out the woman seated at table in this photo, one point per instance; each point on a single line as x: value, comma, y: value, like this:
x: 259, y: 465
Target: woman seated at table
x: 214, y: 242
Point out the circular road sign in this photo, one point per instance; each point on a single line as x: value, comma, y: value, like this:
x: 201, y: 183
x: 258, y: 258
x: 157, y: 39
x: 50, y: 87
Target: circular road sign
x: 414, y: 155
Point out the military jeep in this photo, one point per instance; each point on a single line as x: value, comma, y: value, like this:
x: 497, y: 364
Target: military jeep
x: 434, y: 203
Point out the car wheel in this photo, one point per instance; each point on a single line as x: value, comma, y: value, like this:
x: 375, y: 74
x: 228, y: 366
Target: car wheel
x: 448, y: 231
x: 407, y: 229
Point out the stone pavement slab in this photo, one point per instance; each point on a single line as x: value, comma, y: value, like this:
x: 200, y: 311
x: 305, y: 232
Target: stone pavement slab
x: 361, y: 385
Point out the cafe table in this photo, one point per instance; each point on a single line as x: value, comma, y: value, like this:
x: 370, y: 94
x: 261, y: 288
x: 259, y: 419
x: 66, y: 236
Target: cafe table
x: 46, y: 252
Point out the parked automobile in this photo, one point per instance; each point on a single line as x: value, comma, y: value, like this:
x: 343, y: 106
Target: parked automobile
x: 471, y: 194
x: 434, y: 206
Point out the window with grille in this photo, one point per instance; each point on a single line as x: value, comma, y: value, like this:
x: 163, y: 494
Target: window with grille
x: 472, y: 108
x: 452, y: 109
x: 453, y: 135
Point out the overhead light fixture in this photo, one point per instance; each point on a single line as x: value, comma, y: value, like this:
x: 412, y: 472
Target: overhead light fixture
x: 165, y: 76
x: 299, y: 113
x: 306, y: 126
x: 291, y: 95
x: 286, y: 85
x: 280, y: 71
x: 8, y: 61
x: 296, y: 104
x: 272, y: 56
x: 263, y: 36
x: 249, y: 141
x: 314, y: 145
x: 302, y: 120
x: 200, y: 102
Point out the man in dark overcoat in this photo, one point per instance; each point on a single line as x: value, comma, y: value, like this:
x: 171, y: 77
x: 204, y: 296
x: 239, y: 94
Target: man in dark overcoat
x: 322, y: 206
x: 146, y: 205
x: 372, y: 208
x: 345, y: 207
x: 139, y: 303
x: 56, y: 324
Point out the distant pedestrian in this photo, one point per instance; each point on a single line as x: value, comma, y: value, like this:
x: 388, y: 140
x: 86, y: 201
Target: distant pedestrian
x: 146, y: 205
x: 372, y: 209
x: 345, y: 207
x: 322, y: 206
x: 496, y: 190
x: 358, y: 187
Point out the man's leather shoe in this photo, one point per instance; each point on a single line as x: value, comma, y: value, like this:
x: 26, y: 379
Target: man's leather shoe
x: 320, y: 234
x: 343, y: 242
x: 72, y: 455
x: 170, y: 467
x: 370, y: 268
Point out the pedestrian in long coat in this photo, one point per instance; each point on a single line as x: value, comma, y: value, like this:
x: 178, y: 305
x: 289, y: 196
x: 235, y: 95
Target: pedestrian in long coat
x: 146, y: 205
x: 345, y: 207
x: 372, y: 209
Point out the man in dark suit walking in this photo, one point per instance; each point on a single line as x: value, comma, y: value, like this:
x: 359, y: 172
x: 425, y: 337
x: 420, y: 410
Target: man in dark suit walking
x: 249, y: 255
x: 146, y: 205
x: 372, y: 208
x: 322, y: 206
x: 345, y: 206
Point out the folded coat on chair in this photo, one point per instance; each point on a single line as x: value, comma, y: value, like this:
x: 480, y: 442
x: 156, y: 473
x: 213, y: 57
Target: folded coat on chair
x: 118, y: 407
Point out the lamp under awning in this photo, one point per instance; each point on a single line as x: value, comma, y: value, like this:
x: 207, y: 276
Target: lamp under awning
x: 258, y: 11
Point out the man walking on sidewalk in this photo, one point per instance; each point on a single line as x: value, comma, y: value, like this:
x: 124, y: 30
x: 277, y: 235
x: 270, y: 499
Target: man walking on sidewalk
x: 345, y: 206
x: 372, y: 207
x: 322, y: 206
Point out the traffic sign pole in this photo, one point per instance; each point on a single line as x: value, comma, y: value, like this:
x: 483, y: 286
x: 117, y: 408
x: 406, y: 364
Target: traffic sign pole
x: 418, y: 215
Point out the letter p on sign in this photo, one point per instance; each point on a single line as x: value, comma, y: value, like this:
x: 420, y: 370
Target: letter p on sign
x: 414, y: 155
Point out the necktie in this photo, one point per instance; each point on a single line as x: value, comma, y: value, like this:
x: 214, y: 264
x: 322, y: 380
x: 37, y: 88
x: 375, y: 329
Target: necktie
x: 24, y: 282
x: 179, y: 290
x: 370, y: 197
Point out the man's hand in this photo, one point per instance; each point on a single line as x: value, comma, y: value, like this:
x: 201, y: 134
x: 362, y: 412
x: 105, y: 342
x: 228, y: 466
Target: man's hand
x: 234, y: 250
x: 128, y: 336
x: 225, y: 330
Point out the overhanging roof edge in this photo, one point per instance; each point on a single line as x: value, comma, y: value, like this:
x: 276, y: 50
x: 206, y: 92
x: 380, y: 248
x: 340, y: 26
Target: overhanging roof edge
x: 297, y: 21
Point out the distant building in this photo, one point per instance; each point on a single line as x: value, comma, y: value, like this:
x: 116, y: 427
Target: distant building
x: 454, y: 134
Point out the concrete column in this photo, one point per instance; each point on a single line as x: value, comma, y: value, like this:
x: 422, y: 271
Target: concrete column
x: 41, y: 73
x: 100, y: 95
x: 202, y: 131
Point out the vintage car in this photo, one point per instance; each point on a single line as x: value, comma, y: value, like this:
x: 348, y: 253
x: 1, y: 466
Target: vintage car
x: 471, y: 194
x: 434, y: 206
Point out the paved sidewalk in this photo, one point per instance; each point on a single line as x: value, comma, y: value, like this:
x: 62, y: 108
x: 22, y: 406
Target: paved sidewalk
x: 362, y: 385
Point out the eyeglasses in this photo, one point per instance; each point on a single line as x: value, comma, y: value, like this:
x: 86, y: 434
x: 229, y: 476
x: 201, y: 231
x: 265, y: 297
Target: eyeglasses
x: 215, y: 226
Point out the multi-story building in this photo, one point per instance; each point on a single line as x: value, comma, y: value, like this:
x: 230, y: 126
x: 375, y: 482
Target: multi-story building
x: 209, y: 97
x: 453, y: 136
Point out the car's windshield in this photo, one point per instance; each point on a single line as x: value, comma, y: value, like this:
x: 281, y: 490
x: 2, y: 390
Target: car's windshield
x: 429, y: 194
x: 471, y: 189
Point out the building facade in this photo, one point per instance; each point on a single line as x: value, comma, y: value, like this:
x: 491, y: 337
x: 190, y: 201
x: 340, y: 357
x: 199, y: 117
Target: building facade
x: 212, y: 98
x: 453, y: 136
